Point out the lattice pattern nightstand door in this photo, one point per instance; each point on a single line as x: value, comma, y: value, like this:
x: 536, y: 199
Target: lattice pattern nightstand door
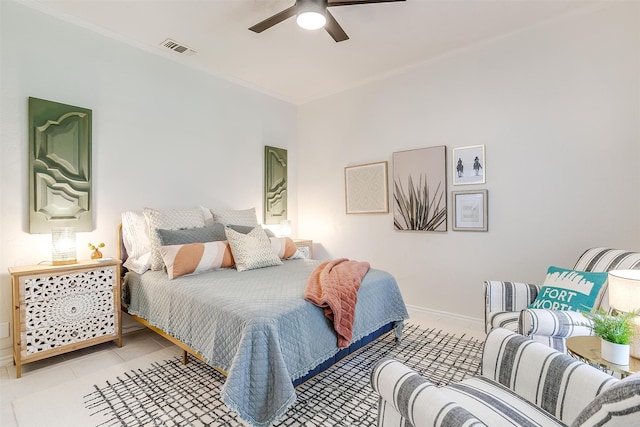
x: 61, y: 309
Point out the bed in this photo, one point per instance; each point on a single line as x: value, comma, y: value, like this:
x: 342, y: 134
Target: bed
x: 257, y: 328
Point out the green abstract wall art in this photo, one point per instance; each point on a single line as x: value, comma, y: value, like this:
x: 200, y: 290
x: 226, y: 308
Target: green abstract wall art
x: 275, y: 185
x: 59, y: 166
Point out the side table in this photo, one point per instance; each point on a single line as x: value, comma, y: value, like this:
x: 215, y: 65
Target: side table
x: 305, y: 246
x: 587, y: 348
x: 57, y: 309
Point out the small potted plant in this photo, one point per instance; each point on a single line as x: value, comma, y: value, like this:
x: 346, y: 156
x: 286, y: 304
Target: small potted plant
x: 96, y: 254
x: 615, y: 332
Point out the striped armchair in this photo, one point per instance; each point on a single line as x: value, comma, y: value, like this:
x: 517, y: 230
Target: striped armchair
x: 506, y: 303
x: 522, y: 383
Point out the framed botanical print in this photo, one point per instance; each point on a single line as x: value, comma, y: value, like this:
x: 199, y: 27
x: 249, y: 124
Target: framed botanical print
x: 419, y: 189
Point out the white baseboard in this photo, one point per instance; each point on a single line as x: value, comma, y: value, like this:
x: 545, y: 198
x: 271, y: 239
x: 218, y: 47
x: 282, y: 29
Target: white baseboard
x: 445, y: 314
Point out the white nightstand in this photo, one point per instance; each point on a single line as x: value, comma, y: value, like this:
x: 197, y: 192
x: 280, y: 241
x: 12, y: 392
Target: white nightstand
x: 57, y: 309
x: 305, y: 246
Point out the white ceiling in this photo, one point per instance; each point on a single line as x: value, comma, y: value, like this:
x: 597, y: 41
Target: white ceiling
x: 298, y: 65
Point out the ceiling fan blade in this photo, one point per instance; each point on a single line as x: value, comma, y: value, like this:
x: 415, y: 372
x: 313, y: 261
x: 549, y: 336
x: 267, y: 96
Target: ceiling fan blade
x: 273, y: 20
x: 352, y: 2
x: 334, y: 29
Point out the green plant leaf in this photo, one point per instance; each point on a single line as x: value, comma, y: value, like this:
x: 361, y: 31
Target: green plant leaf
x: 618, y: 329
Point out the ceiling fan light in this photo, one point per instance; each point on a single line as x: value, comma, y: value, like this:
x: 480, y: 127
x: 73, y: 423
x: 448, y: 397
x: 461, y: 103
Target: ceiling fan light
x: 311, y: 14
x: 311, y: 20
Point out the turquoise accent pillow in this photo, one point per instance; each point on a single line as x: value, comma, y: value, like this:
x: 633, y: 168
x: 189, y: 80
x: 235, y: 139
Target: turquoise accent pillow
x: 569, y: 290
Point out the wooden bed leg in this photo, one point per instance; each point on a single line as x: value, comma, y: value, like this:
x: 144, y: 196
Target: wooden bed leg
x: 184, y: 357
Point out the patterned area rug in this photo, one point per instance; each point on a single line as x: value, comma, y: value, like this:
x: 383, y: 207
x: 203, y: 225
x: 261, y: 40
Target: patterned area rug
x: 172, y: 394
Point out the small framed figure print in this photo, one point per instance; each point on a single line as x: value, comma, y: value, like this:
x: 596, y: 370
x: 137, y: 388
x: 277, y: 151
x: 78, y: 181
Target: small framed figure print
x: 470, y: 210
x: 468, y: 165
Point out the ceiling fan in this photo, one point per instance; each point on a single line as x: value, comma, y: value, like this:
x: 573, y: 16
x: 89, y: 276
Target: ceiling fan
x: 313, y: 14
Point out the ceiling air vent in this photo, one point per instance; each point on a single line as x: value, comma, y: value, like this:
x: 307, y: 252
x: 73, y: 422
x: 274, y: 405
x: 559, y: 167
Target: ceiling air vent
x: 178, y: 47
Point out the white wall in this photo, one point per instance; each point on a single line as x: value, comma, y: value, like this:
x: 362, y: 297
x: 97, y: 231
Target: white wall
x: 557, y: 107
x: 164, y: 135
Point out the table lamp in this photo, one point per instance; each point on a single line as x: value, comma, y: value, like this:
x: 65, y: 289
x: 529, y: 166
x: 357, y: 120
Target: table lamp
x: 285, y: 228
x: 63, y: 245
x: 624, y: 296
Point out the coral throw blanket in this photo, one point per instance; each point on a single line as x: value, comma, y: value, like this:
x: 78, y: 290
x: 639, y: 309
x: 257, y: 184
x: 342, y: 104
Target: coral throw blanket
x: 333, y: 286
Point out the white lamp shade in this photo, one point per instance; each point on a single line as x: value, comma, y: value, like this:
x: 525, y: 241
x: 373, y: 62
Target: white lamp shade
x: 285, y: 228
x: 63, y: 245
x: 624, y: 290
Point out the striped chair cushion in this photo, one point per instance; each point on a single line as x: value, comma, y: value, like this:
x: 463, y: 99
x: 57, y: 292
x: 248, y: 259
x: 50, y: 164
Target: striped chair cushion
x: 509, y: 296
x: 496, y: 405
x: 504, y: 319
x: 552, y: 327
x: 409, y: 400
x: 503, y: 302
x: 556, y: 343
x: 553, y: 381
x: 605, y: 259
x: 617, y: 406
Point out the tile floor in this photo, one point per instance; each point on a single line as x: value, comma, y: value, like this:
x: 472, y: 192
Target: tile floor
x: 136, y: 342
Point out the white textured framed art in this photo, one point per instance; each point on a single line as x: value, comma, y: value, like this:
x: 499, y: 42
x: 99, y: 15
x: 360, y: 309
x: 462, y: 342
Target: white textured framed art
x: 470, y: 210
x: 468, y: 165
x: 367, y: 188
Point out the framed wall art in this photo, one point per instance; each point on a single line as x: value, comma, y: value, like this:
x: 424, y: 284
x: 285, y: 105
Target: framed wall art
x: 419, y: 189
x: 468, y: 165
x: 59, y: 166
x: 367, y: 188
x: 275, y: 185
x: 470, y: 210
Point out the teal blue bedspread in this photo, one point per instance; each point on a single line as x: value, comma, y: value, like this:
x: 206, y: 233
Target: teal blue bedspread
x: 256, y: 326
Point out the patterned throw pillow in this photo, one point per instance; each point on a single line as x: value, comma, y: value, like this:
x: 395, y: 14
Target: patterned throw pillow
x: 194, y: 258
x: 170, y: 219
x: 252, y: 250
x: 284, y: 247
x: 570, y: 290
x: 238, y: 216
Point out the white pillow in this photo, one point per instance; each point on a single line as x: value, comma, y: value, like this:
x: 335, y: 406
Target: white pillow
x: 169, y: 219
x: 236, y: 217
x: 208, y: 215
x: 135, y: 236
x: 252, y: 250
